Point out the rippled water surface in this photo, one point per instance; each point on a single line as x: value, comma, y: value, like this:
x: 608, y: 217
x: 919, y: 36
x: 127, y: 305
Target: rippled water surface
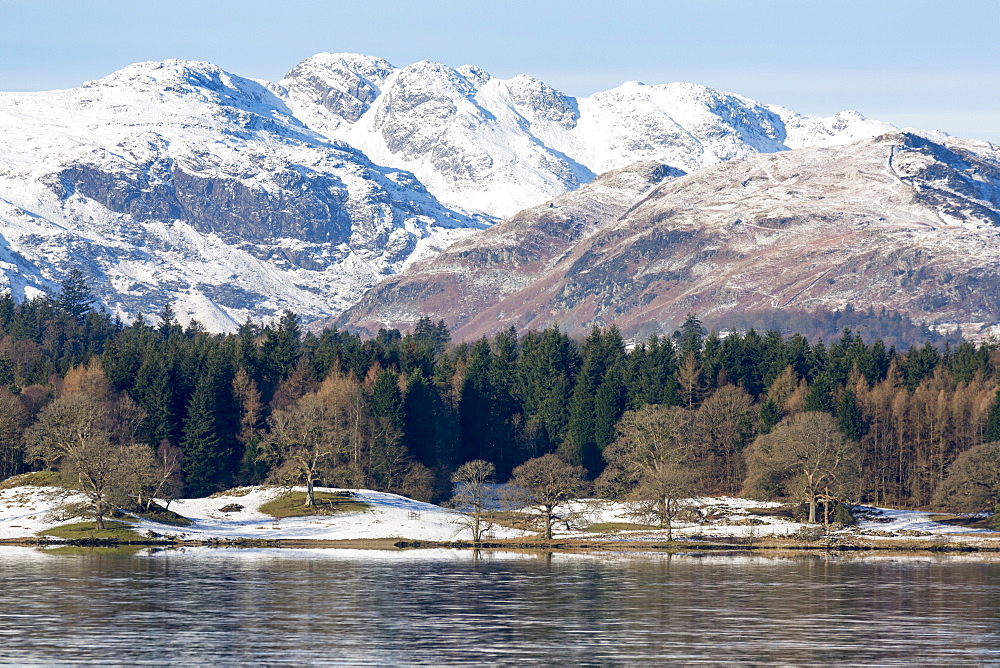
x: 435, y: 606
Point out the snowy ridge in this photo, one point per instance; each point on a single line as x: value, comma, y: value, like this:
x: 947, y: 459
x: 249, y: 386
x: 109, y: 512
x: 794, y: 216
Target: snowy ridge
x: 176, y: 182
x: 501, y: 145
x: 179, y: 183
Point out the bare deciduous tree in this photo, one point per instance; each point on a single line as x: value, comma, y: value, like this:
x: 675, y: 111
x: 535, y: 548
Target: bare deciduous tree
x: 651, y: 462
x: 724, y: 422
x: 303, y: 443
x: 73, y: 433
x: 322, y: 435
x: 547, y: 482
x: 475, y: 495
x: 151, y: 475
x: 805, y: 456
x: 973, y: 482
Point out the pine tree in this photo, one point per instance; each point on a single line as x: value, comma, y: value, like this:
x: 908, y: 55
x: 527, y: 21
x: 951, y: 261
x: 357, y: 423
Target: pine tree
x: 600, y: 351
x: 546, y: 367
x: 386, y: 400
x: 849, y: 417
x: 477, y: 420
x: 609, y: 404
x: 75, y: 297
x: 208, y: 434
x: 420, y: 416
x: 689, y: 337
x: 820, y: 396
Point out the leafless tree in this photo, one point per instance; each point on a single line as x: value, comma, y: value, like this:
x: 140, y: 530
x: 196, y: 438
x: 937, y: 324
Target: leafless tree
x: 152, y: 474
x: 475, y: 495
x: 652, y: 463
x: 71, y: 433
x: 547, y: 482
x: 323, y: 435
x: 973, y: 482
x: 804, y: 456
x: 723, y: 423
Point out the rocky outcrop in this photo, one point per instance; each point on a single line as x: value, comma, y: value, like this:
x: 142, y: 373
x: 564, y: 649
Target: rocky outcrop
x: 497, y: 146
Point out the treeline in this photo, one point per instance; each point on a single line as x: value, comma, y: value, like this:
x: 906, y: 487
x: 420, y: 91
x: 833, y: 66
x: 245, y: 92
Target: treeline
x: 402, y: 411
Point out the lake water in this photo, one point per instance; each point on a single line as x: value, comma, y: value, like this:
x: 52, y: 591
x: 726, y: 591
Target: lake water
x: 221, y: 606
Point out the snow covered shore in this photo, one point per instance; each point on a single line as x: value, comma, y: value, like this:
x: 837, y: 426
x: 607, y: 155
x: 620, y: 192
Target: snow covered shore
x: 26, y: 511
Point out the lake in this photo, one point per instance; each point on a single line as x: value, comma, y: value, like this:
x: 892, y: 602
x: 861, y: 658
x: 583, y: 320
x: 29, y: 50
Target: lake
x: 227, y: 606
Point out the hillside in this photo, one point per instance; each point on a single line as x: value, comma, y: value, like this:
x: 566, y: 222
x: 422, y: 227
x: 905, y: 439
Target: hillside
x: 176, y: 182
x: 897, y: 221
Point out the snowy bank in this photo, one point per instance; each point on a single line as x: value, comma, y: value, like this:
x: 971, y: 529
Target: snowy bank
x: 236, y: 515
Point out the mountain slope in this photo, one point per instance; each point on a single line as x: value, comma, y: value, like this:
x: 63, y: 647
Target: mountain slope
x: 897, y: 221
x: 500, y: 145
x: 177, y: 182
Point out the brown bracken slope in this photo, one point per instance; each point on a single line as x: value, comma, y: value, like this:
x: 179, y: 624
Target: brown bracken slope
x: 898, y: 221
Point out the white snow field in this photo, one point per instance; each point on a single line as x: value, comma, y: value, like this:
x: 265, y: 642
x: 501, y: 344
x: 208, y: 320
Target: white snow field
x: 26, y: 511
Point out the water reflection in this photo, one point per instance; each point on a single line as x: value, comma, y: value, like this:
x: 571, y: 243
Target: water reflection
x: 447, y: 606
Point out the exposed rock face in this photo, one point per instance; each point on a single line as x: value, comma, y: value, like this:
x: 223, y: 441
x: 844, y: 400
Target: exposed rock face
x: 177, y: 182
x: 497, y: 146
x: 897, y: 221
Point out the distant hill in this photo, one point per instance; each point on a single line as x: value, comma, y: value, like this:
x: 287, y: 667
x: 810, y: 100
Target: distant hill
x: 898, y: 222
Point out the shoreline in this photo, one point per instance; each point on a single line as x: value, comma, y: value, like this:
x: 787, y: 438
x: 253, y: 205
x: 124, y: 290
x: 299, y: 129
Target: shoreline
x: 521, y: 545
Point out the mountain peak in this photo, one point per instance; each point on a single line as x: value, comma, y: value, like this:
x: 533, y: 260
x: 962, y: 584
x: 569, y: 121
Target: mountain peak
x: 176, y: 181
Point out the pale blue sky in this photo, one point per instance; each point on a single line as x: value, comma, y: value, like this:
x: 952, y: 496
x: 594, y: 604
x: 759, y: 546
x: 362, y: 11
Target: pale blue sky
x: 913, y: 63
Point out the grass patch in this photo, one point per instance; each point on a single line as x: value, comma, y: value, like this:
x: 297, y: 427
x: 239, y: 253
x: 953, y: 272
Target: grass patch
x: 327, y: 503
x: 114, y: 530
x: 601, y: 527
x: 964, y: 521
x: 35, y: 479
x: 161, y: 515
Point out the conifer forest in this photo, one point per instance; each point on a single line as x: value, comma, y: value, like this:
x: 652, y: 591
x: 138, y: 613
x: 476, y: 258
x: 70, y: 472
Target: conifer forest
x: 402, y: 411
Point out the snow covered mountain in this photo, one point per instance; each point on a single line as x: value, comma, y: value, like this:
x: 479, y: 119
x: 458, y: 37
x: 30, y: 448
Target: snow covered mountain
x: 897, y: 221
x: 177, y: 182
x: 501, y: 145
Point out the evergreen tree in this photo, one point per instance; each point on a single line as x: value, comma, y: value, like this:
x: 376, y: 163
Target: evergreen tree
x: 769, y: 415
x: 477, y: 422
x: 207, y: 436
x: 820, y: 396
x: 609, y: 404
x: 387, y: 401
x: 689, y: 337
x: 546, y: 367
x: 849, y: 417
x: 600, y: 351
x: 420, y: 419
x: 280, y: 350
x: 74, y: 296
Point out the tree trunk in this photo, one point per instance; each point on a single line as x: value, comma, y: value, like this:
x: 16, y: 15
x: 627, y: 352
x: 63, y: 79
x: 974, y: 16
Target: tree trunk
x: 548, y: 523
x: 666, y: 518
x: 310, y: 496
